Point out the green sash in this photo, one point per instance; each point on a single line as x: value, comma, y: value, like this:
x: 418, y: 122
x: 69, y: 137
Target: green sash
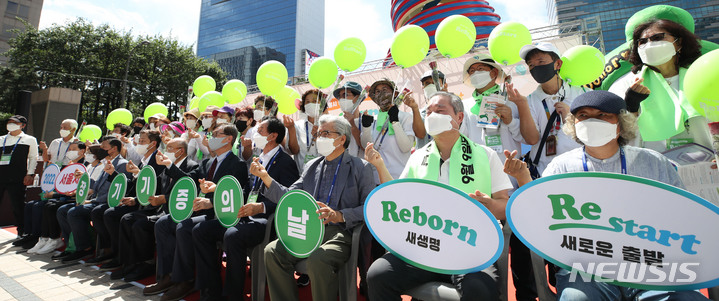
x: 478, y: 98
x: 664, y: 112
x: 381, y: 119
x: 468, y: 168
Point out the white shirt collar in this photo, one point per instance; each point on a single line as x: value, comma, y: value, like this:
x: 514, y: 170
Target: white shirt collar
x: 265, y: 158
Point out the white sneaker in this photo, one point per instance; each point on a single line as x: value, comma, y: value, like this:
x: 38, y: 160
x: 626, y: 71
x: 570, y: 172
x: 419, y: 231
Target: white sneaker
x: 50, y: 246
x: 40, y: 243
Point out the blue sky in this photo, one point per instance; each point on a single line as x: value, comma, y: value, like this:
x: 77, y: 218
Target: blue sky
x: 368, y: 20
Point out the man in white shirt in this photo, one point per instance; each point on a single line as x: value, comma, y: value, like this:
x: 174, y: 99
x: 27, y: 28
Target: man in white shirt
x: 56, y: 152
x: 18, y: 159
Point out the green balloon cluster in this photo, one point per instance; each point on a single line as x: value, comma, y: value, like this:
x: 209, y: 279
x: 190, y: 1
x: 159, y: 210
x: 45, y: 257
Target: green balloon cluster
x: 90, y: 133
x: 286, y: 98
x: 212, y: 98
x: 455, y: 36
x: 323, y: 72
x: 234, y: 91
x: 700, y: 85
x: 271, y: 77
x: 409, y: 46
x: 582, y: 65
x: 506, y: 40
x: 155, y: 108
x: 350, y: 53
x: 123, y: 116
x: 194, y: 103
x: 203, y: 84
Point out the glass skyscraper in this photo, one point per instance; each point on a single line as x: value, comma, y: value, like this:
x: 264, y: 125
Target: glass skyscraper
x: 242, y: 34
x: 614, y: 14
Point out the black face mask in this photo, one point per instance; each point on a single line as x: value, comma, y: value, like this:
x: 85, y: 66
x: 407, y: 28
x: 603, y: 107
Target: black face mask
x: 241, y: 125
x: 543, y: 73
x: 137, y: 129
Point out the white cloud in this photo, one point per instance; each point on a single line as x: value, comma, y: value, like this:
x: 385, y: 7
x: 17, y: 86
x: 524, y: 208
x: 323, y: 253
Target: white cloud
x: 367, y: 20
x: 531, y: 13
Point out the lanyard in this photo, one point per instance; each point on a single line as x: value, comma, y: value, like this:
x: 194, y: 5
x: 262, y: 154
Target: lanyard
x: 621, y: 156
x: 269, y: 165
x: 307, y: 133
x: 332, y: 188
x: 385, y: 129
x: 546, y: 111
x: 13, y: 148
x: 58, y: 149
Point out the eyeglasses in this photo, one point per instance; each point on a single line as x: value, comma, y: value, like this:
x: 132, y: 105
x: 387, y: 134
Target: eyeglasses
x: 327, y: 133
x: 654, y: 38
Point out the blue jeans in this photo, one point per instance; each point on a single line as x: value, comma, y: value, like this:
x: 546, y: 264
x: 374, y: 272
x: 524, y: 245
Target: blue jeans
x: 579, y: 290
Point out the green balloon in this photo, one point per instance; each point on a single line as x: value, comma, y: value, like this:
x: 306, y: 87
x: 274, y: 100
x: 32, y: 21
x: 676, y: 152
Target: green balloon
x: 581, y: 65
x: 194, y: 103
x: 506, y: 40
x: 155, y: 108
x: 212, y: 98
x: 700, y: 85
x: 271, y: 77
x: 286, y: 98
x: 455, y: 36
x: 409, y: 46
x: 203, y: 84
x: 350, y: 53
x: 90, y: 133
x: 234, y: 91
x: 118, y: 116
x: 323, y: 72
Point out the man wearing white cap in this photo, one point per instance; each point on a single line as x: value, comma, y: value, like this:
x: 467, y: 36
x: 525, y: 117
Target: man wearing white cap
x: 483, y: 74
x: 536, y: 110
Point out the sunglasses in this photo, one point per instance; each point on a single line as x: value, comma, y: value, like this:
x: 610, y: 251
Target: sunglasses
x: 654, y: 38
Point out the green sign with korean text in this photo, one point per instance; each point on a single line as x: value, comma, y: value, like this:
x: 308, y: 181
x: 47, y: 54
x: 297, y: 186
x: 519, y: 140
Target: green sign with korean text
x: 181, y: 199
x: 227, y: 201
x: 83, y: 188
x: 146, y: 185
x: 118, y: 186
x: 297, y: 223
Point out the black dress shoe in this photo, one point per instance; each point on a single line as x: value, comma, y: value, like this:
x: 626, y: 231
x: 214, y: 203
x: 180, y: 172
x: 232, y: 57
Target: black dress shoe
x: 78, y: 255
x: 61, y: 255
x: 99, y: 260
x: 30, y: 242
x: 22, y: 240
x: 140, y: 271
x: 112, y: 265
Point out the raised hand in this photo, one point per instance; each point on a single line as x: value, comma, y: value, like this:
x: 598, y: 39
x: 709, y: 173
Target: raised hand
x: 514, y: 96
x: 288, y: 122
x: 109, y: 168
x: 372, y: 155
x: 192, y: 134
x: 131, y: 167
x: 328, y: 215
x: 207, y: 186
x: 638, y: 87
x: 161, y: 159
x: 562, y: 109
x: 410, y: 102
x: 246, y: 142
x: 516, y: 168
x: 504, y: 112
x: 257, y: 170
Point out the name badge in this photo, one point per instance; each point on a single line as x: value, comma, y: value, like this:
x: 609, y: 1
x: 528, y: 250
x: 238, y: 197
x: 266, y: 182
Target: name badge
x: 252, y: 198
x: 494, y: 142
x: 5, y: 159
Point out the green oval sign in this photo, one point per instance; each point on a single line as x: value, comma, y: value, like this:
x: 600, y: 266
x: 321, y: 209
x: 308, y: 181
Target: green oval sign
x: 117, y: 190
x: 227, y: 201
x: 297, y: 224
x: 83, y: 187
x: 181, y: 198
x: 146, y: 185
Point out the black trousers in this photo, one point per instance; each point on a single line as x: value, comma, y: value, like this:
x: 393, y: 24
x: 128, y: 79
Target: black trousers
x: 109, y: 222
x: 16, y: 192
x: 136, y: 240
x: 50, y: 226
x: 205, y: 235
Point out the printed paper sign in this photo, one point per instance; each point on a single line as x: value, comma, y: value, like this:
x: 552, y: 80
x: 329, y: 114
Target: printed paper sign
x: 297, y: 223
x: 47, y: 181
x: 83, y: 188
x: 487, y: 118
x: 626, y: 230
x: 118, y: 186
x: 66, y: 181
x: 146, y: 185
x: 227, y: 201
x: 182, y: 196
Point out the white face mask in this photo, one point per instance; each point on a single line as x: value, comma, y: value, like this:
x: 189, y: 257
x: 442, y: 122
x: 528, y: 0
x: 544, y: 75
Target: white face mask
x: 141, y: 149
x: 595, y: 132
x: 312, y: 109
x: 346, y: 104
x: 480, y: 79
x: 222, y: 121
x: 216, y: 143
x: 72, y: 155
x: 259, y: 140
x: 325, y: 146
x: 171, y: 156
x: 11, y: 127
x: 64, y: 133
x: 207, y: 122
x: 116, y: 135
x: 90, y: 158
x: 152, y: 126
x: 191, y: 123
x: 258, y: 114
x: 437, y: 123
x: 656, y: 53
x: 136, y: 139
x: 429, y: 90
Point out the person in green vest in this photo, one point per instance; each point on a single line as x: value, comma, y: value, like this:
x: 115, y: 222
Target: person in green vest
x: 451, y: 159
x: 663, y: 47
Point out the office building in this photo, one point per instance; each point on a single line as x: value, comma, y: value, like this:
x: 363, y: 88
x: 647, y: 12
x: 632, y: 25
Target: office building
x: 10, y: 12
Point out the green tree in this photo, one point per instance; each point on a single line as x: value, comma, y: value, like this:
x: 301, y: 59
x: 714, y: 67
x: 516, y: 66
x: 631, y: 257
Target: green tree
x: 92, y: 59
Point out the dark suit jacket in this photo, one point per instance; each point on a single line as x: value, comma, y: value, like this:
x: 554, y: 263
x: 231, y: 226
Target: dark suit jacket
x: 355, y: 181
x: 168, y: 182
x: 231, y: 165
x: 283, y: 170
